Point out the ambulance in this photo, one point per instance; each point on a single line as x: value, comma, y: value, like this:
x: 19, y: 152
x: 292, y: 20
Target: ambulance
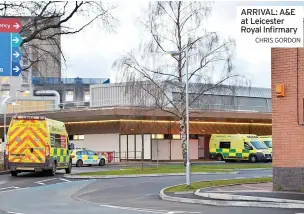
x: 36, y: 143
x: 247, y: 147
x: 267, y: 139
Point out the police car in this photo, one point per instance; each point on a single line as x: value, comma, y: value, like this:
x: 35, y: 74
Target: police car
x: 83, y: 156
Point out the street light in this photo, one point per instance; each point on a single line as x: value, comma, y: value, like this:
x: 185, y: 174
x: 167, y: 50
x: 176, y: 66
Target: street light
x: 4, y: 103
x: 4, y: 122
x: 175, y: 53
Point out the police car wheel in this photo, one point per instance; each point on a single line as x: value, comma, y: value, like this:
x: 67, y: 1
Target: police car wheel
x: 79, y: 163
x: 102, y: 162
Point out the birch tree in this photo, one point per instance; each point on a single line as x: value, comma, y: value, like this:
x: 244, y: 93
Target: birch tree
x: 178, y: 26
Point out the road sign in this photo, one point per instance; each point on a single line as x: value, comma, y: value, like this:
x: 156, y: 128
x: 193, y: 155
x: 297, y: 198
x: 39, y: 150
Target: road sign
x: 16, y: 40
x: 16, y: 69
x: 10, y: 25
x: 5, y: 39
x: 16, y: 55
x: 10, y: 40
x: 5, y: 68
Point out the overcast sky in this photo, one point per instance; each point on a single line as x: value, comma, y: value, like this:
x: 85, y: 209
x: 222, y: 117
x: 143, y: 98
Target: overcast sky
x: 92, y: 52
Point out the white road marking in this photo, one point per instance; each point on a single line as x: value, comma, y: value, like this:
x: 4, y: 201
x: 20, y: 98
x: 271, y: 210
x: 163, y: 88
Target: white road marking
x: 42, y: 182
x: 13, y: 190
x: 14, y: 213
x: 130, y: 208
x: 64, y: 179
x: 148, y: 210
x: 12, y: 187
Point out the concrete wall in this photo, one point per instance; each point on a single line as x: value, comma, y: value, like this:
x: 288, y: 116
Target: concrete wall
x: 99, y: 142
x: 287, y: 118
x: 172, y: 150
x: 162, y: 147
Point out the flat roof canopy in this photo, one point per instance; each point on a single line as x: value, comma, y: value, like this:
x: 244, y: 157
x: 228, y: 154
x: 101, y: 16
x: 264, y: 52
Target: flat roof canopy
x: 97, y: 114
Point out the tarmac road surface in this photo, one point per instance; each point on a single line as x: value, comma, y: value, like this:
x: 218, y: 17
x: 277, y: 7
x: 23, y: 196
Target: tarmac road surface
x: 113, y: 196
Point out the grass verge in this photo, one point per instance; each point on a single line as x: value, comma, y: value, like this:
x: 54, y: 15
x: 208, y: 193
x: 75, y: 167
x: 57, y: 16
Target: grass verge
x: 205, y: 184
x: 177, y: 169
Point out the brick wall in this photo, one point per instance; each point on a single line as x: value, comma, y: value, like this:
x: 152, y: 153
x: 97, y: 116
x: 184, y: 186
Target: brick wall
x: 287, y: 113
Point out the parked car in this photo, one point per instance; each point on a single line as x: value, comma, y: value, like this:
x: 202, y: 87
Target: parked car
x: 81, y: 157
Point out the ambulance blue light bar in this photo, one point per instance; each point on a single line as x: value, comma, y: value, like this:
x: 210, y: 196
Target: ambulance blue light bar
x: 29, y: 117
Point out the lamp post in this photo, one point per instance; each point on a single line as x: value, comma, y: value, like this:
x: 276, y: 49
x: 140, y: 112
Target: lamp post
x: 4, y: 122
x: 188, y: 170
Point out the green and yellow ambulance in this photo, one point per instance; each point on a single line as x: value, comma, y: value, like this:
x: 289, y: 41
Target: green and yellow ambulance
x: 248, y: 147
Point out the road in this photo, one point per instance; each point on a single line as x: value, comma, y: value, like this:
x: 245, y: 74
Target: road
x: 36, y: 194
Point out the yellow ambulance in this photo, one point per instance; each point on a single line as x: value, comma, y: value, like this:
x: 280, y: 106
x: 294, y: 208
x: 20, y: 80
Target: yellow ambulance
x: 247, y: 147
x: 36, y: 143
x: 267, y: 139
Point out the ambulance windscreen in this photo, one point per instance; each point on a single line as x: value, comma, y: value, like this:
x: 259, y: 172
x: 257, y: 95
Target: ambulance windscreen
x: 258, y: 144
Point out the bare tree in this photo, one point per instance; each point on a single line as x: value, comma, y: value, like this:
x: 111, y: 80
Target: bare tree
x: 179, y: 26
x: 44, y: 22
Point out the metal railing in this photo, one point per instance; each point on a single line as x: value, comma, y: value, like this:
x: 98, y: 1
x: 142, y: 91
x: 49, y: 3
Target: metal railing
x: 125, y: 102
x: 19, y: 108
x: 55, y: 80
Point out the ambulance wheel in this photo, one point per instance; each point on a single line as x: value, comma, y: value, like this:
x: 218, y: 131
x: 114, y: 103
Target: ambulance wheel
x: 69, y: 169
x: 219, y: 157
x: 54, y: 169
x: 102, y: 162
x: 79, y: 163
x: 14, y: 173
x: 253, y: 159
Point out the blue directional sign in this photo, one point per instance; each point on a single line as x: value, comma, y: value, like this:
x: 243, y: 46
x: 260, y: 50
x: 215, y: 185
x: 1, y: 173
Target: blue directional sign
x: 16, y: 55
x: 5, y: 68
x: 5, y: 39
x: 16, y: 69
x: 10, y: 54
x: 16, y: 40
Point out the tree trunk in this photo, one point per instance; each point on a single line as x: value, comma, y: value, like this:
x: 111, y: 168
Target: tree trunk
x: 183, y: 139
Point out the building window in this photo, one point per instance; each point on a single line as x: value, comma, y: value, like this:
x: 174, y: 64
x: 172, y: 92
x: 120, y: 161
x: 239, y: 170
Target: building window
x: 78, y: 137
x: 157, y: 136
x: 176, y: 137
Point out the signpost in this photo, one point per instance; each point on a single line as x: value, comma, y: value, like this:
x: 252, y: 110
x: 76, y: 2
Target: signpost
x: 10, y: 40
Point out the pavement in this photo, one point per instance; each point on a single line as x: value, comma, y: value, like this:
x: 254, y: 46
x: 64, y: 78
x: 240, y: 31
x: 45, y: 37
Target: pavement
x: 244, y: 195
x: 251, y: 192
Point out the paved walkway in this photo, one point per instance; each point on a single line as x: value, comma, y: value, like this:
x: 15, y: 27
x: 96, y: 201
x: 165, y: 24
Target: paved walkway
x: 264, y: 190
x: 258, y: 192
x: 245, y: 195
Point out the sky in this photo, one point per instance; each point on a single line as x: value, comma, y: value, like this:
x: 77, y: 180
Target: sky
x: 91, y: 53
